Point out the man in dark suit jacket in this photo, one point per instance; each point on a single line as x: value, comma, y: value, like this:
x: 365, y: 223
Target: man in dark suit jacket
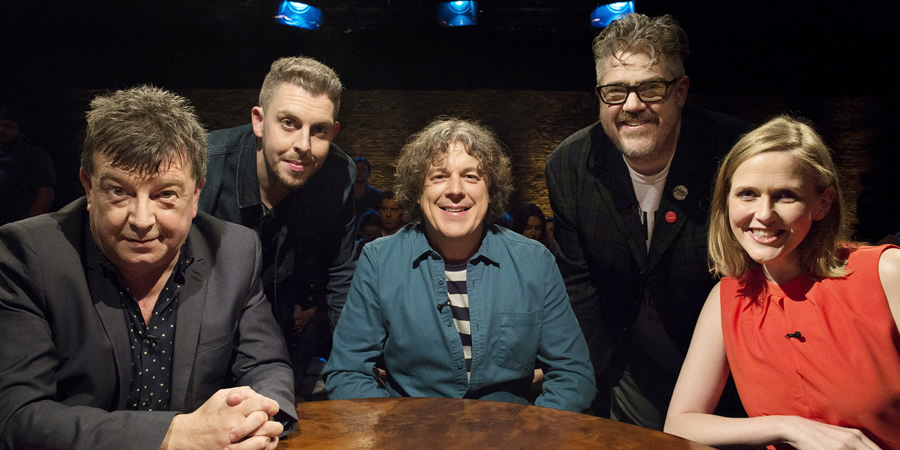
x: 632, y: 215
x: 126, y: 319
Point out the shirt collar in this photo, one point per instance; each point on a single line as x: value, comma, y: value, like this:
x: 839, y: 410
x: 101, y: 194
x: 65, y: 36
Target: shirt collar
x: 185, y: 259
x: 422, y: 249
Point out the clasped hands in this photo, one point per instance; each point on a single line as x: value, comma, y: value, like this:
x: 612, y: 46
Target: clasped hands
x: 302, y: 317
x: 233, y: 419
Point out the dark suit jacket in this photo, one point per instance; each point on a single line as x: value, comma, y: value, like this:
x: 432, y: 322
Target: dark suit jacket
x: 603, y: 254
x: 65, y: 362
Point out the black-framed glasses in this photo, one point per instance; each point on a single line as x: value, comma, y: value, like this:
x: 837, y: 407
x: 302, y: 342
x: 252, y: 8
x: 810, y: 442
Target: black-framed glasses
x: 647, y: 91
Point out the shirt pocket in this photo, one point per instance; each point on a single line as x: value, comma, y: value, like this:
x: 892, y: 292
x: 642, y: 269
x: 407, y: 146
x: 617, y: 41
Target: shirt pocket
x: 518, y: 339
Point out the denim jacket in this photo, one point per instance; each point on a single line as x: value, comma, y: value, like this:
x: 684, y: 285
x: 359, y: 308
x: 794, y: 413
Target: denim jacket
x: 309, y: 259
x: 519, y: 314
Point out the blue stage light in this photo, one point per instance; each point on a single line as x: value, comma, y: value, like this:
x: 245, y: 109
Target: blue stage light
x: 605, y: 14
x: 458, y: 14
x: 299, y: 15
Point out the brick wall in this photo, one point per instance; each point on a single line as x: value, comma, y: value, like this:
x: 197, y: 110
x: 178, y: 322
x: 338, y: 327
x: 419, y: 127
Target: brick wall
x: 376, y: 124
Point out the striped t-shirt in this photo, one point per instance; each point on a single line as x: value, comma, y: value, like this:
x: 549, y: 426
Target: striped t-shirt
x: 459, y: 305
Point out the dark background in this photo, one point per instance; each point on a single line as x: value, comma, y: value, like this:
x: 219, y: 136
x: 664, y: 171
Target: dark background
x: 738, y: 46
x: 828, y: 61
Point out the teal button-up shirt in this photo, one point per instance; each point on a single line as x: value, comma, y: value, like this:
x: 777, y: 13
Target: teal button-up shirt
x: 519, y: 313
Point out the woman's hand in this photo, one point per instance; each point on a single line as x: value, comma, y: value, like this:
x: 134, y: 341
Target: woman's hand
x: 809, y: 434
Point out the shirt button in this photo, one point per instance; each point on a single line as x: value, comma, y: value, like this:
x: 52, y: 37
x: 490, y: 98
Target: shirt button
x: 441, y: 282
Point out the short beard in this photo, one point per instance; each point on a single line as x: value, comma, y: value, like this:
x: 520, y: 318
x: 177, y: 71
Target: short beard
x: 280, y: 181
x: 645, y: 151
x: 291, y: 184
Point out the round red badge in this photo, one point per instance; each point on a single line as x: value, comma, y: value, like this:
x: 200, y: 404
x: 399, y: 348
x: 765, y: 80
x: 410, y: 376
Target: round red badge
x: 671, y: 217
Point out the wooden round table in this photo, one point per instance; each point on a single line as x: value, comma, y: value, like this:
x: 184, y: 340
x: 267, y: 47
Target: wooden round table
x: 438, y: 423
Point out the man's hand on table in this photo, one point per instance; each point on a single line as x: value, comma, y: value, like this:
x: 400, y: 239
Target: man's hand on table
x: 235, y: 419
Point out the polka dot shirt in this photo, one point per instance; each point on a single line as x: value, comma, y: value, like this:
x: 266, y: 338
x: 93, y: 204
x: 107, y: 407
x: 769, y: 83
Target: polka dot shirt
x: 153, y: 343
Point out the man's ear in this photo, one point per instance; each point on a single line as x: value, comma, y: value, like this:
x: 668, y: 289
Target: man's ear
x: 337, y: 127
x: 86, y: 184
x: 196, y: 198
x: 682, y: 86
x: 257, y: 116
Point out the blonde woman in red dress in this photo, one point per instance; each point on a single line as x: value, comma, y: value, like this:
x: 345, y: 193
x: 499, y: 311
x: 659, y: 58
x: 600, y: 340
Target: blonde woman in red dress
x: 806, y: 323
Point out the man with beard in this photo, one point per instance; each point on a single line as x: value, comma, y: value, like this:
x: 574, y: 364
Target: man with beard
x: 282, y: 176
x: 631, y: 215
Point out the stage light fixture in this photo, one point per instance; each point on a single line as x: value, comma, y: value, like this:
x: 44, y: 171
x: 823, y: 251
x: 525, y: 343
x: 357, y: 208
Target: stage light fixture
x: 299, y: 15
x: 458, y: 14
x: 603, y: 15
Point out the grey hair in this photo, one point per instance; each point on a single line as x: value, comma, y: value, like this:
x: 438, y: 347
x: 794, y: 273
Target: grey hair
x: 658, y: 38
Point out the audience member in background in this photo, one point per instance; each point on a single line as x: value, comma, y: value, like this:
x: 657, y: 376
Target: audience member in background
x: 548, y: 226
x: 630, y: 194
x: 549, y: 239
x: 412, y: 311
x: 365, y: 196
x: 805, y: 322
x: 529, y: 221
x: 390, y: 218
x: 370, y: 225
x: 27, y: 176
x: 130, y: 320
x: 282, y: 176
x: 390, y: 213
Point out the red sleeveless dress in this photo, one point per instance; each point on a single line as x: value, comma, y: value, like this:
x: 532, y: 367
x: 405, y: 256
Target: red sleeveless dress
x: 844, y: 369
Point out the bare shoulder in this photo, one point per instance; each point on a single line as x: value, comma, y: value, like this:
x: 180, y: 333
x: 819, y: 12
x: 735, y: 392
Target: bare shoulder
x: 889, y: 266
x: 713, y: 302
x: 889, y: 273
x: 710, y: 320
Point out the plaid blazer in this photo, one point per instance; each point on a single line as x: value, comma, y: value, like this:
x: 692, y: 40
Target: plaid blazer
x: 603, y: 254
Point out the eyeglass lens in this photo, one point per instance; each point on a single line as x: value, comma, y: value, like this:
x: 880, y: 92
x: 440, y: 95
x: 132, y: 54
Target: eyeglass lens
x: 651, y: 91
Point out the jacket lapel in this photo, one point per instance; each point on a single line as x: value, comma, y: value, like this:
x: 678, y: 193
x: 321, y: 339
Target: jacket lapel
x: 687, y: 191
x: 108, y: 304
x: 665, y: 232
x: 191, y: 300
x: 614, y: 185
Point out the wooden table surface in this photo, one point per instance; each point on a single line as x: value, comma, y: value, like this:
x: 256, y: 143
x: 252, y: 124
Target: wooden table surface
x: 439, y: 423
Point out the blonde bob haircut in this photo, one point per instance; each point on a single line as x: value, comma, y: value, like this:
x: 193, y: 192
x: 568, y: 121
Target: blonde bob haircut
x: 820, y: 249
x: 430, y: 146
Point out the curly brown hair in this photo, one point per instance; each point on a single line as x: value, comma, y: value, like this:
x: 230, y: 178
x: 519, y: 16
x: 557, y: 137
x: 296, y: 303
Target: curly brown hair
x: 429, y: 147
